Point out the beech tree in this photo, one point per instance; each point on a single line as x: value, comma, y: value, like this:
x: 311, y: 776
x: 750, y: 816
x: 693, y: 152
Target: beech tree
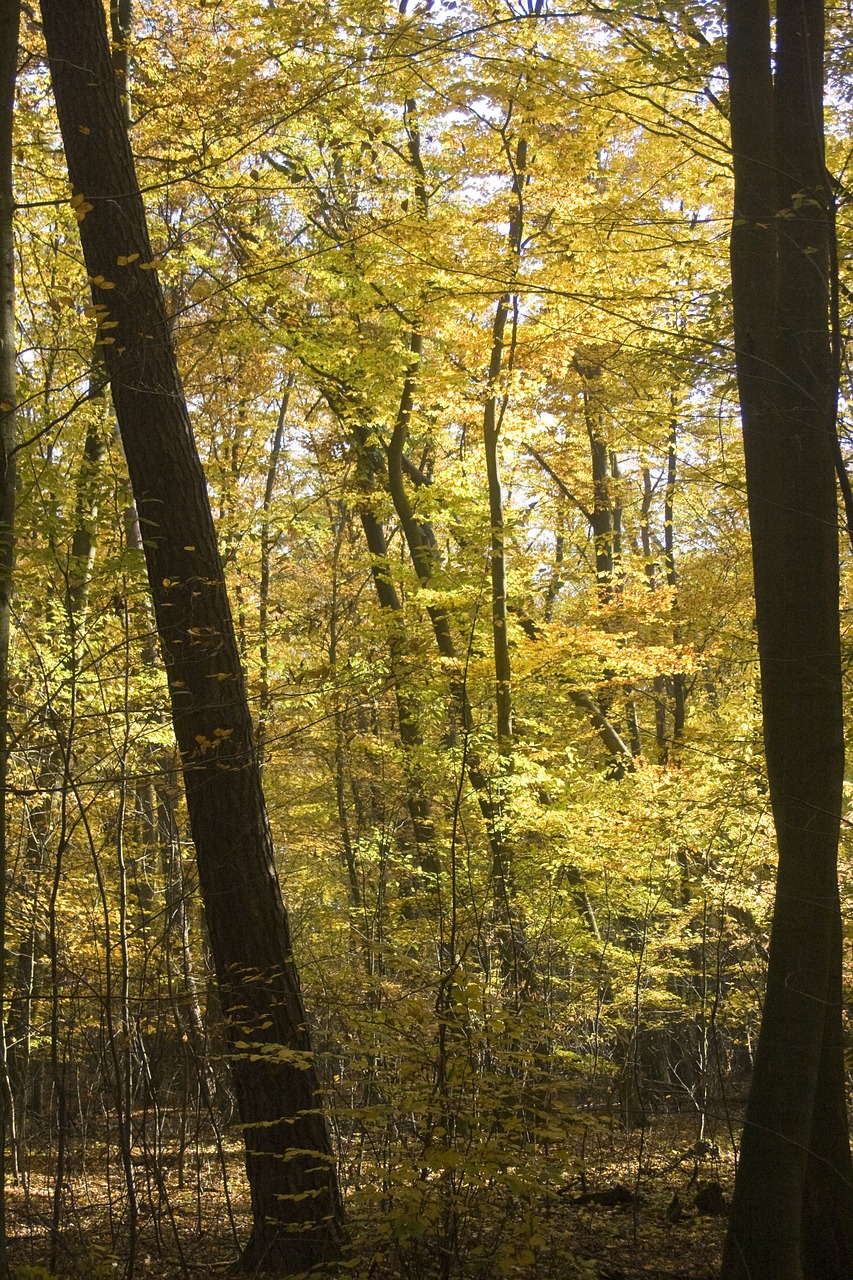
x: 295, y: 1201
x: 792, y: 1215
x: 448, y: 287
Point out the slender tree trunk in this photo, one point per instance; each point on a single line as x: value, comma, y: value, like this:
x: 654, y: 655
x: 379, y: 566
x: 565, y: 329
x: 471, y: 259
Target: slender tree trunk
x: 421, y: 545
x: 516, y: 960
x: 30, y: 947
x: 605, y: 519
x: 601, y: 514
x: 418, y: 800
x: 295, y: 1200
x: 679, y: 685
x: 492, y: 419
x: 633, y: 722
x: 265, y: 699
x: 659, y: 683
x: 675, y: 682
x: 622, y: 760
x: 792, y: 1214
x: 493, y: 414
x: 84, y: 543
x: 9, y: 25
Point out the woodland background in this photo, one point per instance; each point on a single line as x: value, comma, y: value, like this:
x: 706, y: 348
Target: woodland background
x: 450, y: 292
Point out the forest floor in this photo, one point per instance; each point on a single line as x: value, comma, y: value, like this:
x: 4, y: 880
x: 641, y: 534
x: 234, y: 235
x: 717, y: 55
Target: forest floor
x: 639, y: 1215
x: 633, y: 1215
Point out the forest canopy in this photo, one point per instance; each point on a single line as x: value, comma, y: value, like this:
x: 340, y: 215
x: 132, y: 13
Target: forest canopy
x: 450, y: 293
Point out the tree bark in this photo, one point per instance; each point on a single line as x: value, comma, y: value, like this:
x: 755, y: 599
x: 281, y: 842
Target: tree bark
x: 659, y: 683
x: 9, y: 26
x: 588, y: 364
x: 679, y: 684
x: 418, y: 800
x: 515, y: 955
x: 492, y: 421
x: 295, y: 1201
x: 84, y: 543
x: 792, y: 1213
x: 267, y: 543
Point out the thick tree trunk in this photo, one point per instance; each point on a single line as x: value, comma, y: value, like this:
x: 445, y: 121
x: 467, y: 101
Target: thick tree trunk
x: 792, y: 1215
x: 295, y: 1202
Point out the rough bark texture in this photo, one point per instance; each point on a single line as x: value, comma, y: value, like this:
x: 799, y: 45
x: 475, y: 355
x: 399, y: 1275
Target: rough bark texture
x: 295, y: 1200
x: 792, y: 1215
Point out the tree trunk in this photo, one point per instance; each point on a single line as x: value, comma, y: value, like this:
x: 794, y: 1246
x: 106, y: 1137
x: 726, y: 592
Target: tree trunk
x: 295, y: 1200
x: 9, y: 23
x: 659, y: 683
x: 679, y: 689
x: 601, y: 515
x: 267, y: 543
x: 84, y: 543
x: 418, y: 800
x: 792, y: 1215
x: 515, y: 952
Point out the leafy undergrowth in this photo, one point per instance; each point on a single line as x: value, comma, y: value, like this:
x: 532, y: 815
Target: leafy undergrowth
x: 628, y: 1213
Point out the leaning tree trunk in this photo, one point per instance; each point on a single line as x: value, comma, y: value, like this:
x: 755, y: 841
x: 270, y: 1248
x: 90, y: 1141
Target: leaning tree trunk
x: 792, y: 1215
x: 295, y: 1201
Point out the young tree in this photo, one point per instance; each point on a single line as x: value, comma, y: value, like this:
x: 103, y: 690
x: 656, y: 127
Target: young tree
x: 792, y: 1216
x: 295, y: 1200
x: 9, y: 23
